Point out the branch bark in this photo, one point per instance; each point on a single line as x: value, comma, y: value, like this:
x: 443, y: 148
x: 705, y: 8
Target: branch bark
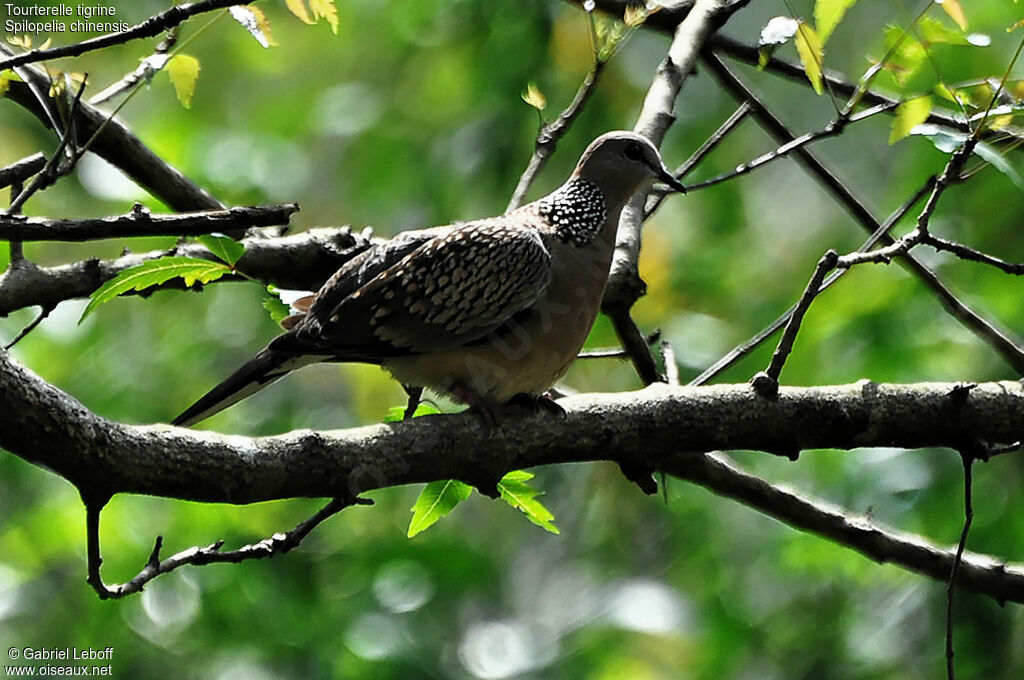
x: 651, y: 427
x: 139, y: 222
x: 303, y: 261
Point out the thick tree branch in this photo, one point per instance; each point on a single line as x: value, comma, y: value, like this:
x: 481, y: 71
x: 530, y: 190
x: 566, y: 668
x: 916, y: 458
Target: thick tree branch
x: 302, y: 261
x: 139, y: 222
x: 625, y: 286
x: 650, y: 427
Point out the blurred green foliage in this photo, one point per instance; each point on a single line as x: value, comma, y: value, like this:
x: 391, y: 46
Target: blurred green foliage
x: 412, y: 116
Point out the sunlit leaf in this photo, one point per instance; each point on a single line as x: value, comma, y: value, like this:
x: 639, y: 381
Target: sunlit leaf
x: 436, y: 500
x: 5, y: 81
x: 183, y: 70
x: 909, y: 114
x: 828, y: 14
x: 534, y: 97
x: 934, y: 32
x: 153, y: 273
x: 23, y: 41
x: 516, y: 492
x: 635, y: 15
x: 812, y: 55
x: 955, y: 12
x: 298, y: 8
x: 907, y: 54
x: 255, y: 21
x: 325, y: 9
x: 277, y: 309
x: 226, y: 248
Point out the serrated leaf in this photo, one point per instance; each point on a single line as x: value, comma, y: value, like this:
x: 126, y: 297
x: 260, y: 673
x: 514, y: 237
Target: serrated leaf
x: 183, y: 70
x: 226, y: 248
x: 955, y: 12
x: 255, y: 21
x: 516, y: 492
x: 277, y: 309
x: 812, y: 55
x: 635, y: 15
x: 828, y: 14
x: 990, y: 154
x: 909, y: 114
x: 153, y: 273
x: 906, y: 54
x: 933, y: 32
x: 534, y: 97
x: 298, y: 8
x: 397, y: 413
x: 436, y: 500
x: 325, y: 9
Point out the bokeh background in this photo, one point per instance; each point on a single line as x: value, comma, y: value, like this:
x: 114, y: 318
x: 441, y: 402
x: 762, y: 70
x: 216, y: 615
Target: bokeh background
x: 411, y: 116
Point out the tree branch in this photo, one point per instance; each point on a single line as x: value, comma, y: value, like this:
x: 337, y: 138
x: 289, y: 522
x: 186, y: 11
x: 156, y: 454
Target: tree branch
x: 650, y: 427
x: 153, y: 26
x: 19, y: 171
x: 139, y: 222
x: 302, y: 261
x: 118, y: 146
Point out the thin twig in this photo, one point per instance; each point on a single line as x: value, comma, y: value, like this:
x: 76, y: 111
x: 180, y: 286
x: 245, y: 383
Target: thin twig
x: 709, y: 145
x: 139, y: 222
x: 617, y: 352
x: 54, y: 167
x: 833, y: 129
x: 551, y: 133
x: 1007, y: 348
x: 635, y: 346
x: 43, y: 313
x: 153, y: 26
x: 19, y: 171
x: 775, y: 326
x: 968, y: 461
x: 826, y: 264
x: 277, y: 544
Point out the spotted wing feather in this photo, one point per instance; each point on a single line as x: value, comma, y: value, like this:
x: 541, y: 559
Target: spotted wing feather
x: 453, y: 289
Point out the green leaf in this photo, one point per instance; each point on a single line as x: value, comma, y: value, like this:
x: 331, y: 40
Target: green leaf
x: 812, y: 55
x: 154, y: 273
x: 272, y: 303
x: 933, y: 32
x: 397, y: 413
x: 828, y: 14
x: 5, y: 81
x: 516, y: 492
x: 183, y: 70
x: 998, y: 161
x: 226, y: 248
x: 436, y: 500
x: 948, y: 141
x: 909, y: 115
x: 906, y: 55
